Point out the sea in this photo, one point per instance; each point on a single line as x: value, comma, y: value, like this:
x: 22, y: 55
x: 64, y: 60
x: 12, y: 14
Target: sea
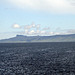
x: 44, y: 58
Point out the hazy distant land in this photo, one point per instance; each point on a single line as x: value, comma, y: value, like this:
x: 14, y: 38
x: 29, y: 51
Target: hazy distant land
x: 25, y: 39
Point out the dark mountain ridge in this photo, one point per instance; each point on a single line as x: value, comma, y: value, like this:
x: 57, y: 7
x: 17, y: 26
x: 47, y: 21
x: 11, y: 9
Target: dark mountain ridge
x: 54, y: 38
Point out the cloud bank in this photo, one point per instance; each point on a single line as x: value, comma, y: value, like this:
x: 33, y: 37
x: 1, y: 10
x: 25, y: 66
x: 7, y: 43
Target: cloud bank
x: 54, y: 6
x: 34, y: 29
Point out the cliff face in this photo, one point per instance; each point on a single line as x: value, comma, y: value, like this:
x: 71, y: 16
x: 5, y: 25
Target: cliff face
x: 55, y: 38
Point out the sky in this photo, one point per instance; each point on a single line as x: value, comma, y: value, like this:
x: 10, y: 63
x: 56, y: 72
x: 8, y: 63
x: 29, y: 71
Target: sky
x: 36, y: 17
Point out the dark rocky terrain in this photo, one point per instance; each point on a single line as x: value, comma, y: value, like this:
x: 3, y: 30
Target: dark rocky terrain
x: 37, y: 58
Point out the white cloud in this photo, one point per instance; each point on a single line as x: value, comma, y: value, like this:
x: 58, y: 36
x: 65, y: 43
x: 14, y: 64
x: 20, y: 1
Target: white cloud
x: 51, y: 33
x: 42, y: 32
x: 55, y: 33
x: 16, y: 26
x: 31, y: 32
x: 36, y: 30
x: 58, y: 6
x: 26, y: 31
x: 33, y: 25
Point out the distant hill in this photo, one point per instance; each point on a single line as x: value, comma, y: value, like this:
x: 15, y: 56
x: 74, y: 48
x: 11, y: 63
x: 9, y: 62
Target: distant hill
x: 55, y: 38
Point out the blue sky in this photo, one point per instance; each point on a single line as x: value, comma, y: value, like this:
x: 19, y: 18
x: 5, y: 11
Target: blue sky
x: 40, y: 17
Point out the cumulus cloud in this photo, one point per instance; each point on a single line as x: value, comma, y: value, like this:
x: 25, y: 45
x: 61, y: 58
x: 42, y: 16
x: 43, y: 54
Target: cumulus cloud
x: 35, y: 29
x: 32, y: 26
x: 26, y: 31
x: 42, y: 32
x: 32, y: 29
x: 32, y: 32
x: 36, y: 32
x: 57, y: 33
x: 59, y: 6
x: 16, y: 26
